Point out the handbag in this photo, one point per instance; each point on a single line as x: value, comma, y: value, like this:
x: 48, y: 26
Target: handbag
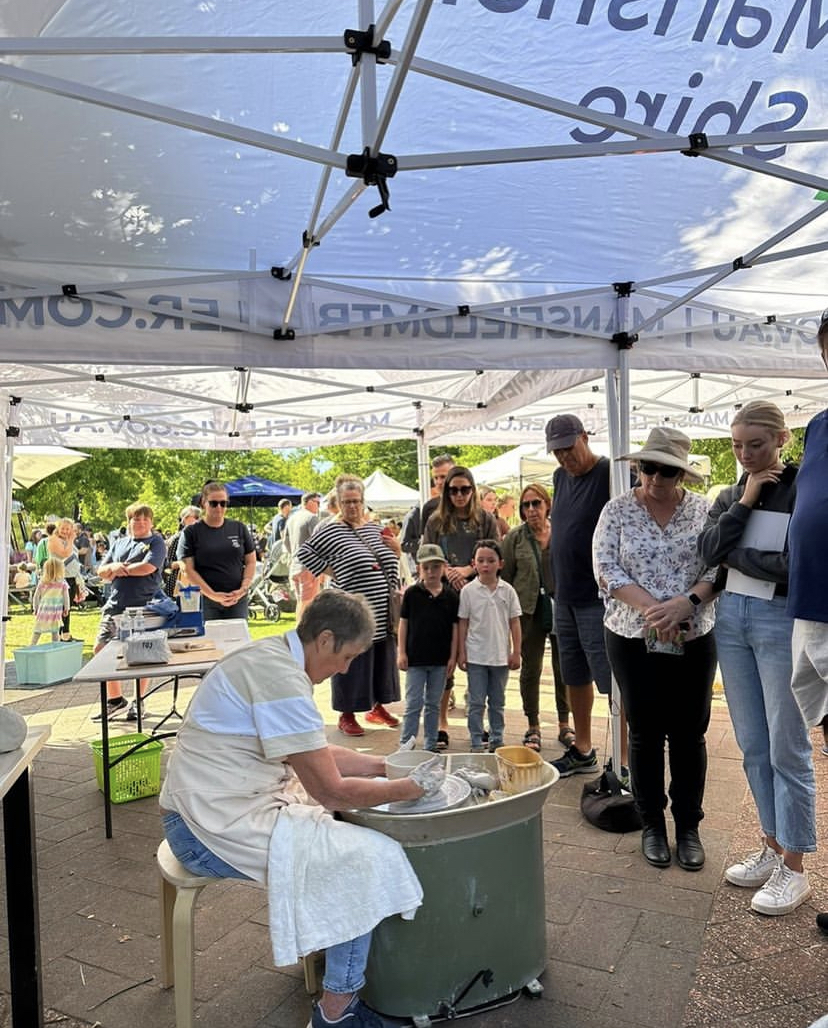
x: 394, y: 594
x: 608, y: 806
x: 544, y: 599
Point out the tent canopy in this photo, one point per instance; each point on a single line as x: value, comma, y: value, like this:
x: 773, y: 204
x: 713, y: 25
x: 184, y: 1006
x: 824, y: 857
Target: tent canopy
x: 31, y: 464
x: 384, y: 493
x: 200, y: 200
x: 253, y: 491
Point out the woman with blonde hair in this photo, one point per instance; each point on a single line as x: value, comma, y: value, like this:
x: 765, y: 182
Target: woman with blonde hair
x: 753, y: 638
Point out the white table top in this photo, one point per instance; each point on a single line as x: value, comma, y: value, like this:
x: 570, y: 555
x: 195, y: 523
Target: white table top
x: 13, y: 764
x: 227, y: 636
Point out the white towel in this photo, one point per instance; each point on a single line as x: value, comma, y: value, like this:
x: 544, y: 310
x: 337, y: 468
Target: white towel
x: 330, y: 881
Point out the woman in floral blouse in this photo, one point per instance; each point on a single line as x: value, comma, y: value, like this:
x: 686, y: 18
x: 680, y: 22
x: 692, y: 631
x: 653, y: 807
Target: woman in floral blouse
x: 657, y: 627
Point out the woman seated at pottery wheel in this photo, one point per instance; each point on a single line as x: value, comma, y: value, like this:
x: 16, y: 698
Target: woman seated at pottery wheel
x: 249, y: 785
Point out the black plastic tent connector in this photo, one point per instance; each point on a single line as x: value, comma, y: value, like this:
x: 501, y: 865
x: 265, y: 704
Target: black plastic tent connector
x: 625, y: 340
x: 698, y: 142
x: 281, y: 273
x: 770, y: 319
x: 374, y: 171
x: 244, y: 408
x: 695, y: 410
x: 288, y: 334
x: 308, y: 240
x: 623, y: 289
x: 100, y: 378
x: 463, y: 310
x: 695, y: 374
x: 739, y: 264
x: 126, y: 417
x: 69, y: 290
x: 358, y: 43
x: 12, y: 431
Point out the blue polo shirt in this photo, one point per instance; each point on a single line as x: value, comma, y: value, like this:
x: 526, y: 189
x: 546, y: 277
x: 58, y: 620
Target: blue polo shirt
x: 808, y: 534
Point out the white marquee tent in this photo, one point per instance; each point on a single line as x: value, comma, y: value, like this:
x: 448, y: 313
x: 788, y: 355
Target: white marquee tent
x: 386, y: 495
x: 269, y: 224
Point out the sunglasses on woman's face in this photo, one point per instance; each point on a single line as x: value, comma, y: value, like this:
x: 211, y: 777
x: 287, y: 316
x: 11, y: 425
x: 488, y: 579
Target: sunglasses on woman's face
x: 651, y: 468
x: 526, y: 504
x: 217, y: 503
x: 462, y: 490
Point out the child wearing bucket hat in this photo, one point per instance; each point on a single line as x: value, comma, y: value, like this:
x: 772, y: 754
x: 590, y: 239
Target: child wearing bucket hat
x: 427, y: 645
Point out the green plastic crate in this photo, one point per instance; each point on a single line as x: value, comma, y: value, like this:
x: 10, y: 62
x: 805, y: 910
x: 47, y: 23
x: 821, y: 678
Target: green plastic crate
x: 137, y: 775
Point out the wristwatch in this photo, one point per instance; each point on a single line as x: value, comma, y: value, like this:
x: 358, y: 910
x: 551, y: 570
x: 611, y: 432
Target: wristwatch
x: 695, y: 599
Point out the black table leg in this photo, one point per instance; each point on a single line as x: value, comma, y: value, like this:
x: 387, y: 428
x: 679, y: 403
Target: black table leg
x: 105, y: 761
x: 22, y: 904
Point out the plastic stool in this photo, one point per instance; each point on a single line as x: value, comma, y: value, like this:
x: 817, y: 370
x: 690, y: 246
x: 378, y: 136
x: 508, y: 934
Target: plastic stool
x: 179, y: 889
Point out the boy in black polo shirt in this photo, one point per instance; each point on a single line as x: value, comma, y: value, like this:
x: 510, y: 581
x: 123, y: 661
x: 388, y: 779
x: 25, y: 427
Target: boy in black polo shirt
x: 427, y: 644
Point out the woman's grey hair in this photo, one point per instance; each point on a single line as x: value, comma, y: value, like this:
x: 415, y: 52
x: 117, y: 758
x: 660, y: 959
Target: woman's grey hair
x: 345, y: 482
x: 189, y: 512
x: 347, y: 615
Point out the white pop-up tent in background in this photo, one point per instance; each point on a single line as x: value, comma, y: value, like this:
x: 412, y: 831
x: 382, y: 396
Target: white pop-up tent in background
x: 424, y: 219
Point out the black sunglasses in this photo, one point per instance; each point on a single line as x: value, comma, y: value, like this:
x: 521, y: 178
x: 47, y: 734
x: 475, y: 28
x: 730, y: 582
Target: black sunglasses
x: 526, y: 504
x: 463, y: 490
x: 217, y: 503
x: 649, y: 467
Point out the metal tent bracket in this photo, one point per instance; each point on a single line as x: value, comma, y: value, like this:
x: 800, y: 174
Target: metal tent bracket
x: 358, y: 43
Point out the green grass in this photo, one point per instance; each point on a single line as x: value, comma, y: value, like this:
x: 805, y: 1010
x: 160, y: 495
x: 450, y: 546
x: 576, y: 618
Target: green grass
x: 85, y: 627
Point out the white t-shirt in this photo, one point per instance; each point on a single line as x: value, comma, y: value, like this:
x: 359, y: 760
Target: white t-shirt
x: 489, y: 613
x: 227, y: 777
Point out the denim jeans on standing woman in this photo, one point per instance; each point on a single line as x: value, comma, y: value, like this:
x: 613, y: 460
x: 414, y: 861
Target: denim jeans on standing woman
x: 753, y: 638
x: 424, y: 686
x: 487, y: 683
x: 344, y: 963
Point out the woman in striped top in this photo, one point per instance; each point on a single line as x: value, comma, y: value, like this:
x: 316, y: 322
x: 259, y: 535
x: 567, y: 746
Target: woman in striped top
x: 358, y: 559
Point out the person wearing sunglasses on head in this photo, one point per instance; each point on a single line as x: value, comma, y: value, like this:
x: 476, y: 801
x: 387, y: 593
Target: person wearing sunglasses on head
x: 219, y: 557
x: 658, y: 626
x: 457, y: 523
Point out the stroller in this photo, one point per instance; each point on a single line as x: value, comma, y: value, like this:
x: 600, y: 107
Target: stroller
x: 270, y: 589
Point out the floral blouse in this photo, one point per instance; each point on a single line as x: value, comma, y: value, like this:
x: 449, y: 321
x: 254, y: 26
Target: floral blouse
x: 630, y: 548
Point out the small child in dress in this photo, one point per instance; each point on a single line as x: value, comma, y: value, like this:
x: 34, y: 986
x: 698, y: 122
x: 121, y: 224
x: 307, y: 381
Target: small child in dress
x: 50, y: 601
x: 488, y: 644
x: 426, y: 644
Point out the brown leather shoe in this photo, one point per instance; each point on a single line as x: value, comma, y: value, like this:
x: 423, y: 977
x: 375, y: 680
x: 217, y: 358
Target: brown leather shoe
x: 349, y: 725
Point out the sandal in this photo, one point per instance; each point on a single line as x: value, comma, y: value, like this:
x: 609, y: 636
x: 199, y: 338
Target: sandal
x: 566, y: 737
x: 442, y: 740
x: 532, y: 740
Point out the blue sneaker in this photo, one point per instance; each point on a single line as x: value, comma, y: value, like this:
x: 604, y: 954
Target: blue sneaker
x: 355, y: 1015
x: 573, y: 762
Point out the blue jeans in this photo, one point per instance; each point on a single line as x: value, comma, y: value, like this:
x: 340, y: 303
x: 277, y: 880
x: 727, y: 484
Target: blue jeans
x: 486, y: 683
x: 424, y: 687
x: 753, y: 639
x: 344, y: 963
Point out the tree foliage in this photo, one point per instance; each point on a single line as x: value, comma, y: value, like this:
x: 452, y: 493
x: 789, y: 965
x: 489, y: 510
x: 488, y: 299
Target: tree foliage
x: 99, y: 489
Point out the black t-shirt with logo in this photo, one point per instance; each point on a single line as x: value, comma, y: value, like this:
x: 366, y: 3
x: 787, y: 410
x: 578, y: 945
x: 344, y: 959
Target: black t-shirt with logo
x: 218, y: 553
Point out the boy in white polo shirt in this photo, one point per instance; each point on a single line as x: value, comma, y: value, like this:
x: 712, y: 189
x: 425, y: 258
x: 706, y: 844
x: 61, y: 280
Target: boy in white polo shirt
x: 488, y: 645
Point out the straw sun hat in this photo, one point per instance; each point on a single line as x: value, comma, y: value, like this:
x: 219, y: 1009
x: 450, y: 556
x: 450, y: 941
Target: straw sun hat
x: 667, y: 446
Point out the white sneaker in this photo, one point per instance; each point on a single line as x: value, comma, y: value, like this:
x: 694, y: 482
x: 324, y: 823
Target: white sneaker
x: 754, y: 870
x: 783, y: 891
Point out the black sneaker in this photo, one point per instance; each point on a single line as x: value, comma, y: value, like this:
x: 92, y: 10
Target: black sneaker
x: 132, y: 712
x: 822, y: 922
x: 573, y: 762
x: 113, y: 707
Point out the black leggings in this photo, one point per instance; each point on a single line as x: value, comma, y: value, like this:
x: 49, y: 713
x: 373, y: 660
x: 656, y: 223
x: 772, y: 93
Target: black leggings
x: 668, y: 698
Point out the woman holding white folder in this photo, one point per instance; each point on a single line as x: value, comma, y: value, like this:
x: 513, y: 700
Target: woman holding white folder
x: 746, y: 533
